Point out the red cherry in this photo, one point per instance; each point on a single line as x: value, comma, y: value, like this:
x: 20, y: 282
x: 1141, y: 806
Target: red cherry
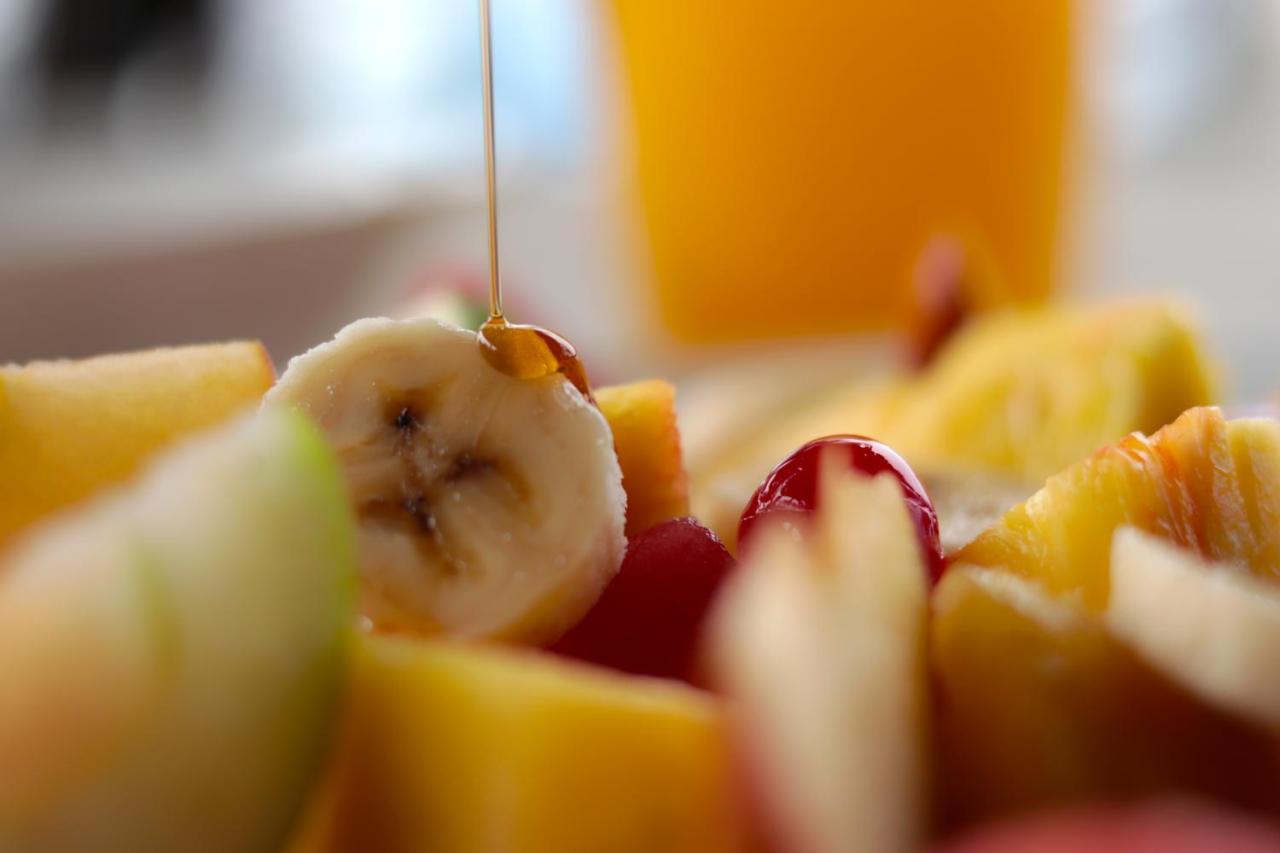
x: 792, y: 488
x: 649, y: 619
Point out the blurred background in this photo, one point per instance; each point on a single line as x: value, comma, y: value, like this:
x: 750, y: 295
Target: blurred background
x: 680, y: 183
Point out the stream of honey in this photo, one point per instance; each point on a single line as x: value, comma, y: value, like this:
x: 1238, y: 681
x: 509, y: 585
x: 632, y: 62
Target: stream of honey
x: 525, y: 352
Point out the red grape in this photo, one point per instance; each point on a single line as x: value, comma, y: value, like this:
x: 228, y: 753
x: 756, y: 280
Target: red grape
x: 792, y: 488
x: 649, y: 619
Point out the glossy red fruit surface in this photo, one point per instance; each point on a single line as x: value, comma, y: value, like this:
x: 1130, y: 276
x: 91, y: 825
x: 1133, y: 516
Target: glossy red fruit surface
x: 650, y: 617
x: 792, y: 488
x: 1174, y: 827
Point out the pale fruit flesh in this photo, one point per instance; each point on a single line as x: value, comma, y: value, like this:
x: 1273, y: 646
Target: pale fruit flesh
x: 1206, y: 625
x: 173, y: 653
x: 818, y: 640
x: 489, y: 506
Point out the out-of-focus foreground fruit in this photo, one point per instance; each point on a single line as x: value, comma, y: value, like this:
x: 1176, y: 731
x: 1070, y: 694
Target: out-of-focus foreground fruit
x: 67, y: 428
x: 819, y: 643
x: 457, y: 748
x: 1022, y: 394
x: 642, y: 416
x: 1039, y: 704
x: 650, y: 618
x: 790, y: 492
x: 1204, y: 483
x: 1173, y: 826
x: 1210, y: 626
x: 172, y: 655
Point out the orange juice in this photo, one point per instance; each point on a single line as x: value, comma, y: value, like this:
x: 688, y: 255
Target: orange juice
x: 794, y: 157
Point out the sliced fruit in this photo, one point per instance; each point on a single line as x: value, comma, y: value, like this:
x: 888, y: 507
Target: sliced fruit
x: 819, y: 642
x: 1176, y: 826
x: 1204, y: 483
x: 1040, y: 704
x: 68, y: 428
x: 1022, y: 394
x: 488, y: 506
x: 642, y: 416
x: 1208, y: 627
x: 790, y: 492
x: 650, y: 619
x: 462, y: 748
x: 172, y: 654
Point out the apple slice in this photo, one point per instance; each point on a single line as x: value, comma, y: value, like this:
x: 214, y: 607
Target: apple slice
x: 171, y: 654
x: 1208, y: 626
x: 820, y: 641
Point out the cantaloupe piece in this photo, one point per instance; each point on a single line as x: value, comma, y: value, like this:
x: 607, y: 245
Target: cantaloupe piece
x: 642, y: 416
x: 464, y: 748
x: 67, y: 428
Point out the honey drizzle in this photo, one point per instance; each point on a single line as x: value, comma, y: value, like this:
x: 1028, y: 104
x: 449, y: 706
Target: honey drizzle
x: 525, y: 352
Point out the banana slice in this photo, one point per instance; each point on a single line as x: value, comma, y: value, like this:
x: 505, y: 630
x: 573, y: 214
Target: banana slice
x: 488, y: 506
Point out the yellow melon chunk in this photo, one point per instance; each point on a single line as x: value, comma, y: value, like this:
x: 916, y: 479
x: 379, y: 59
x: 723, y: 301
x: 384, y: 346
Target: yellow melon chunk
x: 642, y: 416
x: 456, y: 748
x: 67, y: 428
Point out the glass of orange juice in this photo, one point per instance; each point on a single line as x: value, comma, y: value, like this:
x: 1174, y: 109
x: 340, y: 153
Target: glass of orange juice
x: 793, y: 158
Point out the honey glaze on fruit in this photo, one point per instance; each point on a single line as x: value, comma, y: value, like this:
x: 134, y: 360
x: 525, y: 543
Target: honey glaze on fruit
x: 525, y: 352
x: 528, y: 352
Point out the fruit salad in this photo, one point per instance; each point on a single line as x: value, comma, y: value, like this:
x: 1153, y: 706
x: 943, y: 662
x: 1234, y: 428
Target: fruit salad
x: 1016, y: 594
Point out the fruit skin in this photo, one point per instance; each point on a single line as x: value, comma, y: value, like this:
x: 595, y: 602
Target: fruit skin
x: 819, y: 644
x: 642, y: 416
x: 650, y: 618
x: 1039, y: 704
x: 1020, y: 393
x: 68, y: 428
x: 173, y: 653
x: 450, y: 747
x: 1203, y: 483
x: 488, y: 507
x: 1207, y: 626
x: 791, y: 489
x: 1160, y: 827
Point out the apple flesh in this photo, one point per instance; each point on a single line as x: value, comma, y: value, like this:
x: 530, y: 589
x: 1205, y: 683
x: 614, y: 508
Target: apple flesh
x: 172, y: 653
x: 819, y: 643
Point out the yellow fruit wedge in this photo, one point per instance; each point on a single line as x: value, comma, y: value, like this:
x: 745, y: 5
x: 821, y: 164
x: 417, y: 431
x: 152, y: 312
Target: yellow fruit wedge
x: 1204, y: 483
x: 456, y: 748
x: 1021, y: 394
x: 642, y: 416
x: 1039, y: 704
x: 820, y: 644
x: 67, y: 428
x: 1207, y: 626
